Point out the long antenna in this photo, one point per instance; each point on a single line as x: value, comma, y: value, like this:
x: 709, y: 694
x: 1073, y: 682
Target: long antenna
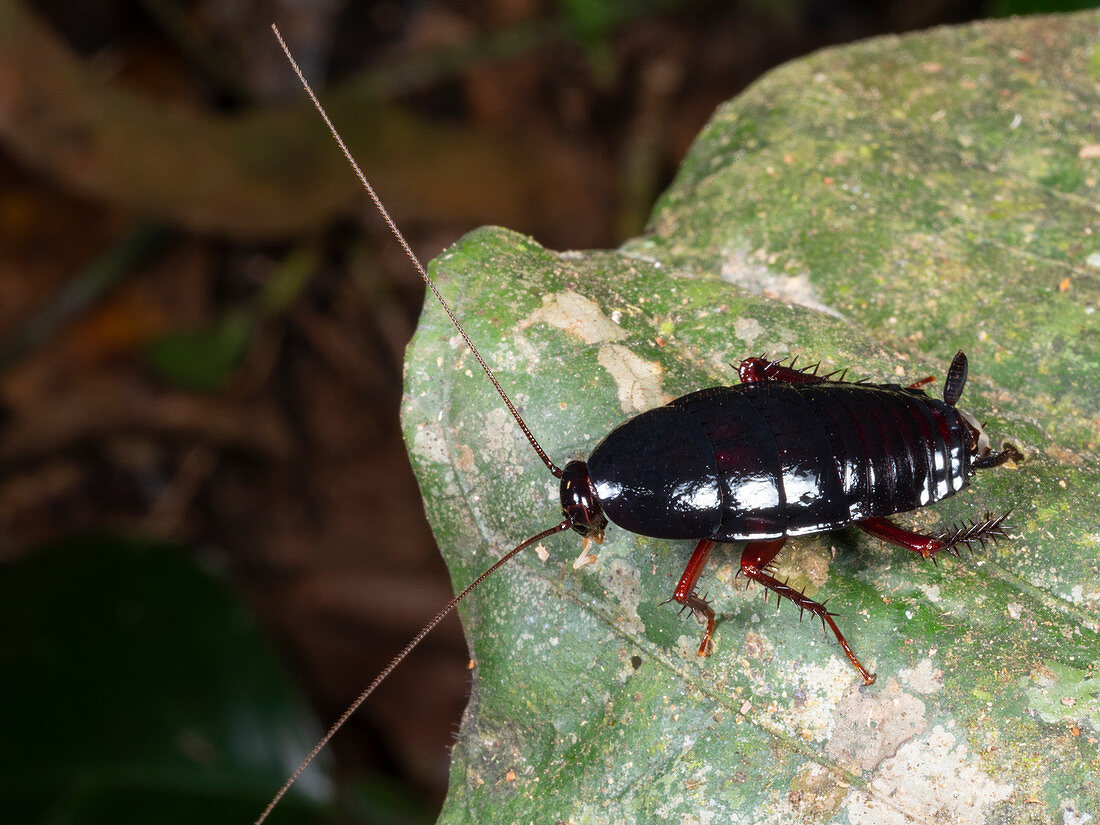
x: 550, y: 465
x: 381, y: 677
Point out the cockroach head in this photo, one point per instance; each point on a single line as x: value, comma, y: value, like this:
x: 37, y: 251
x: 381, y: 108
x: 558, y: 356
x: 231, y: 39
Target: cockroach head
x: 579, y: 504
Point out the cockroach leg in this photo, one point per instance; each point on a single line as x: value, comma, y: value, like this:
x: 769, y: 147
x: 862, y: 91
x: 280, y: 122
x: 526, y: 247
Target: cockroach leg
x: 686, y: 594
x: 916, y: 385
x: 756, y: 556
x: 752, y: 370
x: 988, y: 460
x: 925, y: 546
x: 761, y: 368
x: 990, y: 528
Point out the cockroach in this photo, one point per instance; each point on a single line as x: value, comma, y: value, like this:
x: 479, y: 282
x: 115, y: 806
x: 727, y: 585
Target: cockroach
x: 787, y: 452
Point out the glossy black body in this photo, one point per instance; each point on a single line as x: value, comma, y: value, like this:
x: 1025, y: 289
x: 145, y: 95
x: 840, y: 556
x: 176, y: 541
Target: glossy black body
x: 770, y: 459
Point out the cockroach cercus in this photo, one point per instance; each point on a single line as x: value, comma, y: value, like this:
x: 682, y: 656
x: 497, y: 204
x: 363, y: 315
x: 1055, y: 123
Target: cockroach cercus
x: 787, y: 452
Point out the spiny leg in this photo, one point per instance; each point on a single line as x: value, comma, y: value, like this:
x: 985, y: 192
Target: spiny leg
x: 989, y: 528
x: 761, y: 368
x: 753, y: 370
x: 756, y: 557
x: 685, y: 592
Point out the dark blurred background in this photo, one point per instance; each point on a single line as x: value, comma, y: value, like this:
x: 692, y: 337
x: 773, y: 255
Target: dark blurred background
x: 202, y: 326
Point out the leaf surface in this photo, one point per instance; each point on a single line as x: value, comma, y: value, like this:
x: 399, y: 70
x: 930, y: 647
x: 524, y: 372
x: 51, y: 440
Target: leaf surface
x: 876, y: 207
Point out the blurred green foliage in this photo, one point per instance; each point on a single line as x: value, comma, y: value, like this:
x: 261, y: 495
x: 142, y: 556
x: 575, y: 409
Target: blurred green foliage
x: 136, y: 689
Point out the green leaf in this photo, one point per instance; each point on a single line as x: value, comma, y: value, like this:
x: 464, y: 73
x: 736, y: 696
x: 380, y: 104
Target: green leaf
x: 203, y: 359
x: 288, y: 281
x: 135, y: 689
x: 875, y: 207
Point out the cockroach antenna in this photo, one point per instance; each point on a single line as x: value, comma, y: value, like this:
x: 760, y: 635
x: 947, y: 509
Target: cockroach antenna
x: 453, y: 603
x: 400, y: 657
x: 550, y: 465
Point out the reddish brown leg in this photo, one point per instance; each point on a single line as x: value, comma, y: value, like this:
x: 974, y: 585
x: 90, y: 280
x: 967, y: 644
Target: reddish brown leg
x: 926, y: 546
x: 928, y: 379
x: 761, y: 369
x: 756, y: 556
x: 989, y: 528
x: 685, y: 592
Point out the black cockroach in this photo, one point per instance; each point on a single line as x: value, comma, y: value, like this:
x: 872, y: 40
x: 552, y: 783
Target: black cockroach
x: 787, y: 452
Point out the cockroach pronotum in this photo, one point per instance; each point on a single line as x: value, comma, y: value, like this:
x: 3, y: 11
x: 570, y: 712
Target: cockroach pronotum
x: 787, y: 452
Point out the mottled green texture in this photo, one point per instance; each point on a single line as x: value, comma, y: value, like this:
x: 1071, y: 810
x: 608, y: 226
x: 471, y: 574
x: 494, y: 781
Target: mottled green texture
x: 136, y: 690
x: 887, y: 193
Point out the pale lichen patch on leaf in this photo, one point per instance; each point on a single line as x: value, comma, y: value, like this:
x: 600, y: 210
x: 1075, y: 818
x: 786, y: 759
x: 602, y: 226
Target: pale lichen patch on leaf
x: 1073, y: 817
x: 869, y: 727
x: 748, y: 330
x: 932, y: 779
x: 931, y: 591
x: 815, y: 793
x: 576, y: 315
x: 622, y: 581
x: 429, y: 443
x: 638, y: 380
x: 503, y: 440
x: 813, y: 694
x: 753, y: 272
x: 805, y: 567
x: 925, y: 678
x: 464, y: 459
